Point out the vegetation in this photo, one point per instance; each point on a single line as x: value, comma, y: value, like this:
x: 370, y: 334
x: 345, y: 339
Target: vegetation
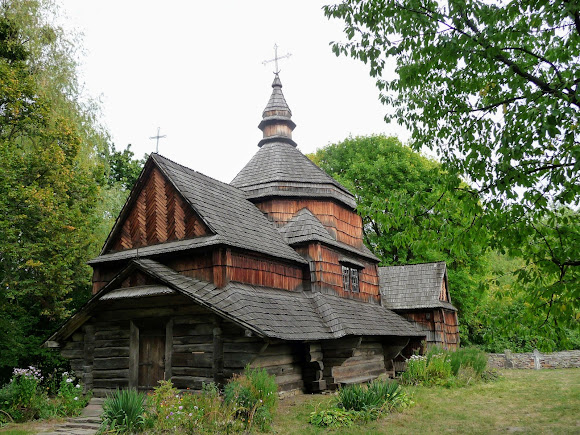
x: 123, y: 412
x: 249, y: 401
x: 492, y: 87
x: 527, y: 401
x: 26, y: 397
x: 362, y: 403
x: 61, y: 185
x: 414, y: 211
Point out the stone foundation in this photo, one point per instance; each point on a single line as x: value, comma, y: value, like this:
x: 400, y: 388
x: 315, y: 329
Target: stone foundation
x: 534, y: 360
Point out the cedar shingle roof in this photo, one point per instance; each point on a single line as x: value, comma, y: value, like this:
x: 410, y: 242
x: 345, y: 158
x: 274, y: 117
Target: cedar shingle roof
x: 305, y: 227
x: 267, y: 312
x: 280, y: 169
x: 233, y: 219
x: 413, y: 286
x: 284, y: 314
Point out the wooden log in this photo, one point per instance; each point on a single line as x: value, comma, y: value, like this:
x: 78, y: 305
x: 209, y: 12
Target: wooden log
x: 194, y: 347
x: 204, y: 372
x: 238, y: 360
x: 247, y: 347
x: 190, y: 340
x: 111, y: 374
x: 189, y: 330
x: 120, y: 342
x: 74, y: 345
x: 68, y: 353
x: 112, y: 334
x: 273, y: 360
x: 111, y: 363
x: 111, y: 351
x: 193, y: 360
x: 111, y: 383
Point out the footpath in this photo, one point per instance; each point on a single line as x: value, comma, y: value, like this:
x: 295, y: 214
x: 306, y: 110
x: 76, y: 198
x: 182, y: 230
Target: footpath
x: 85, y: 424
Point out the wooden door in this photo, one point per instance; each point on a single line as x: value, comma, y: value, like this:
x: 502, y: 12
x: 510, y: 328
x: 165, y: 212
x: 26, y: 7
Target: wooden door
x: 151, y: 358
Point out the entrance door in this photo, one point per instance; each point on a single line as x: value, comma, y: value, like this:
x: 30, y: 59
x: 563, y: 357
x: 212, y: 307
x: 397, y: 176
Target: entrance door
x: 151, y: 357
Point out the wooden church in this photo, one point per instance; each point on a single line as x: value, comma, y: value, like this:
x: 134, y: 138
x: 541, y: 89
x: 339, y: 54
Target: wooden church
x: 199, y: 278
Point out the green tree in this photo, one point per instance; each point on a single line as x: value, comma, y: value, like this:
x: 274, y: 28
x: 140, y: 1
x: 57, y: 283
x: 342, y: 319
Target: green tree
x: 410, y: 214
x: 493, y: 88
x: 51, y: 180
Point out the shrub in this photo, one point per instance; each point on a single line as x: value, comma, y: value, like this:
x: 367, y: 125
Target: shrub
x: 379, y: 394
x: 253, y: 396
x: 469, y: 357
x: 123, y: 412
x: 416, y: 372
x: 22, y: 399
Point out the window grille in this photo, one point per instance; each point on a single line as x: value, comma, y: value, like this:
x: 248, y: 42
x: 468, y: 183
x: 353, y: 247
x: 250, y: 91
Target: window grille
x: 345, y: 278
x: 354, y: 286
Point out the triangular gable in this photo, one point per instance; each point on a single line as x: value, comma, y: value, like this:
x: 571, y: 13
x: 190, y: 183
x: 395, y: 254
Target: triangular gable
x: 444, y: 294
x: 154, y: 213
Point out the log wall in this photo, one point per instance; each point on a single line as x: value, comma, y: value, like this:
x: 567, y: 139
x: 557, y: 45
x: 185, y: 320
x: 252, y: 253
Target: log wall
x: 352, y: 360
x: 344, y: 224
x: 158, y: 214
x: 200, y: 346
x: 326, y: 272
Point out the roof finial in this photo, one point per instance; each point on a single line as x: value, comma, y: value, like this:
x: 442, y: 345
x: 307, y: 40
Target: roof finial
x: 157, y: 137
x: 276, y: 59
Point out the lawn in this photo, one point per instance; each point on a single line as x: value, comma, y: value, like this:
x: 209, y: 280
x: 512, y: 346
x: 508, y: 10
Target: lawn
x: 527, y: 401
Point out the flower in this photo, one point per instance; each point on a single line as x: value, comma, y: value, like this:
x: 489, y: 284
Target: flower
x: 78, y: 385
x: 180, y: 407
x: 76, y: 398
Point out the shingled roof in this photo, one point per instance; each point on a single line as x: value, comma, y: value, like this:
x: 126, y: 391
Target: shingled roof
x: 265, y: 311
x: 305, y: 227
x: 233, y: 219
x: 414, y: 286
x: 280, y: 169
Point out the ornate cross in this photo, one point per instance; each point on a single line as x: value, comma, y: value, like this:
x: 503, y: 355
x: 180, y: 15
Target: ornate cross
x: 157, y: 137
x: 276, y: 58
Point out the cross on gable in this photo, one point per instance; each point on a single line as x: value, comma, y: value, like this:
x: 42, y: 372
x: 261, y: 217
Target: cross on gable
x: 277, y: 58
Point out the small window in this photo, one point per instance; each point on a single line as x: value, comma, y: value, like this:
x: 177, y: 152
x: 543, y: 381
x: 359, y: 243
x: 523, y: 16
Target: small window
x: 354, y: 280
x: 345, y: 278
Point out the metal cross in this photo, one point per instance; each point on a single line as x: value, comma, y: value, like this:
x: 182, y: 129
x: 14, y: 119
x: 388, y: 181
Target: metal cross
x: 157, y: 137
x: 276, y: 58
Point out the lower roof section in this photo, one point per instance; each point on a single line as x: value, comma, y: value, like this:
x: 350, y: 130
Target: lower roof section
x: 267, y: 312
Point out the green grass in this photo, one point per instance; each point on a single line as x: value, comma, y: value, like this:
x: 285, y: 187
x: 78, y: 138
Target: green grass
x: 527, y: 401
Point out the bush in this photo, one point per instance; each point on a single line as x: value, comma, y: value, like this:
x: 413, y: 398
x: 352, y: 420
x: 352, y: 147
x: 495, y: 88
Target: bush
x: 441, y: 367
x: 379, y: 394
x: 253, y: 396
x: 469, y: 357
x: 123, y: 412
x: 23, y: 398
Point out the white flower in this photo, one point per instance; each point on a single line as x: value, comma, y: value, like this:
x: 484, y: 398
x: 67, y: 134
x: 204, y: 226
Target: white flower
x: 78, y: 385
x: 76, y: 398
x: 69, y: 380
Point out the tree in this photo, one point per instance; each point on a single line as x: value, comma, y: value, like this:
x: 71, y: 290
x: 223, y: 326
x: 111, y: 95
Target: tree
x: 409, y: 212
x: 50, y: 182
x: 493, y: 88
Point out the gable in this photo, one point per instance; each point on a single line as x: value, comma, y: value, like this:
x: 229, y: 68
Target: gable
x: 158, y: 214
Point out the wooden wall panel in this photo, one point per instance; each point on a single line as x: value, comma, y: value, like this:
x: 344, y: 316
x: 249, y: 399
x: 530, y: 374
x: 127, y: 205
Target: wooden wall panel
x: 326, y: 272
x: 158, y: 214
x: 102, y: 274
x: 263, y: 272
x: 344, y: 224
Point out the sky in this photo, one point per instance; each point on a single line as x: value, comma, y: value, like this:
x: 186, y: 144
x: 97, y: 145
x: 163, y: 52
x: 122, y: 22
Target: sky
x: 195, y: 70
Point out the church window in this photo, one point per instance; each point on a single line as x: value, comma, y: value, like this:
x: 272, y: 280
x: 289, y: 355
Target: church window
x: 354, y: 285
x: 345, y: 278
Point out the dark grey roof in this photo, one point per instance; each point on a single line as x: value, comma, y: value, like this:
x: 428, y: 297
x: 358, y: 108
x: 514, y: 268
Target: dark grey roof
x: 233, y: 219
x: 162, y: 248
x: 305, y: 227
x: 280, y: 169
x: 277, y: 102
x: 413, y: 286
x: 267, y: 312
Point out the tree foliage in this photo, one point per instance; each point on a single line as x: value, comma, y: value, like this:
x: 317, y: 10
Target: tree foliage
x: 52, y: 178
x: 409, y: 213
x: 493, y: 88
